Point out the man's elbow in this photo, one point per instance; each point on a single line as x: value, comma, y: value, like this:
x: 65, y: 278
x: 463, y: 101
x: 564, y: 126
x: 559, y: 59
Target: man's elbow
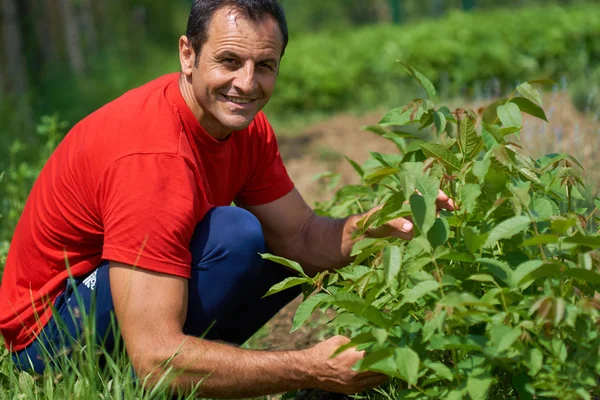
x: 155, y: 363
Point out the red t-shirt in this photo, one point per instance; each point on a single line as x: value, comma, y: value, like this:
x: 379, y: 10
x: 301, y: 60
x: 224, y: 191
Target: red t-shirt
x: 129, y: 183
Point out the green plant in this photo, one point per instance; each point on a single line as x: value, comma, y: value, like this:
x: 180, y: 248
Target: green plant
x: 329, y: 72
x: 23, y: 168
x: 495, y: 299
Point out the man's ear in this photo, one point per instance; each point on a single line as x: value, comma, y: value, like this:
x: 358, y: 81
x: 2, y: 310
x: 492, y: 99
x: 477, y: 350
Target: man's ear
x: 187, y: 55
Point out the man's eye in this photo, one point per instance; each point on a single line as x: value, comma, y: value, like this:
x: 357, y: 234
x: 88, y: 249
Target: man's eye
x: 265, y: 65
x: 230, y: 61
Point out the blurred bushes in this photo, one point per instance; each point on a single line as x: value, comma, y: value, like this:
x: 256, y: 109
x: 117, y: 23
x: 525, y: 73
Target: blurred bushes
x: 329, y: 72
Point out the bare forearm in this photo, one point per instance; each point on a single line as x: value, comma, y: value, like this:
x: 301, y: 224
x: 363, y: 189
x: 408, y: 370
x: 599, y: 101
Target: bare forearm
x: 325, y: 243
x: 225, y: 371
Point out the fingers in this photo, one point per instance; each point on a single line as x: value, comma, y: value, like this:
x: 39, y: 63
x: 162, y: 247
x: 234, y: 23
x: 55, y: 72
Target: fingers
x: 444, y: 202
x: 402, y: 228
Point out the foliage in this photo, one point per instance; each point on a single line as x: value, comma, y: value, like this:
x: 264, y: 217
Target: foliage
x: 335, y: 71
x: 496, y: 299
x: 17, y: 180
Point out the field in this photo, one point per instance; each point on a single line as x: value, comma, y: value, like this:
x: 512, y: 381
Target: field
x: 497, y: 299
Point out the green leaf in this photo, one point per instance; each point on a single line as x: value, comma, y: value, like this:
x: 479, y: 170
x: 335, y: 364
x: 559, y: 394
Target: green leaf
x: 583, y: 275
x: 407, y: 363
x: 529, y: 92
x: 469, y: 141
x: 423, y: 81
x: 521, y: 277
x: 397, y: 117
x: 510, y: 115
x: 356, y: 166
x: 534, y: 358
x: 470, y: 193
x: 544, y: 208
x: 380, y: 174
x: 283, y: 261
x: 306, y: 308
x: 286, y: 284
x: 482, y: 278
x: 502, y: 337
x: 507, y: 229
x: 356, y: 305
x: 540, y: 239
x: 527, y: 106
x: 392, y: 262
x: 439, y: 232
x: 376, y: 129
x: 491, y: 112
x: 479, y: 386
x: 466, y: 343
x: 420, y: 290
x: 381, y: 361
x: 441, y: 153
x: 441, y: 370
x: 439, y: 119
x: 423, y: 212
x: 497, y: 268
x: 587, y: 241
x: 491, y: 137
x: 473, y: 240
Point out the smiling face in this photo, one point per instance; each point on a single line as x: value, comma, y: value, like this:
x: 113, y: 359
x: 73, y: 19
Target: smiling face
x: 235, y: 72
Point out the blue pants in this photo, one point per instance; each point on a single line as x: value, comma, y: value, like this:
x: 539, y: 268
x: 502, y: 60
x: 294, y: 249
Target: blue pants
x: 226, y: 287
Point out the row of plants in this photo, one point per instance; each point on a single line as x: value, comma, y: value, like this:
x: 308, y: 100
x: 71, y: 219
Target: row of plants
x: 494, y: 49
x: 497, y: 299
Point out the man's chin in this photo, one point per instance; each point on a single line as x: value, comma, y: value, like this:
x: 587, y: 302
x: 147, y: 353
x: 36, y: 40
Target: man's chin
x: 237, y: 124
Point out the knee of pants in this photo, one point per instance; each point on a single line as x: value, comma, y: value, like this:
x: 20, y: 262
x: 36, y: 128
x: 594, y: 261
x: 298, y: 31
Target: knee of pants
x: 231, y: 235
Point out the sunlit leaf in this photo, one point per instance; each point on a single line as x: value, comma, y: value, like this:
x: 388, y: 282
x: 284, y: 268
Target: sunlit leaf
x: 527, y: 106
x: 441, y: 370
x: 408, y: 362
x: 510, y: 115
x: 529, y: 92
x: 283, y: 261
x: 469, y: 141
x: 479, y: 386
x: 419, y: 291
x: 392, y: 262
x: 306, y: 309
x: 423, y: 81
x: 507, y: 229
x: 423, y: 212
x: 286, y: 284
x: 441, y: 153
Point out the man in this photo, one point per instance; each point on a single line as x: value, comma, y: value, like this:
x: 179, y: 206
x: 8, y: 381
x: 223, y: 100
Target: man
x: 131, y: 216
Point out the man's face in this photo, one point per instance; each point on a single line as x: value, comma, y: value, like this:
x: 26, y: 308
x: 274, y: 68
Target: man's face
x: 236, y: 71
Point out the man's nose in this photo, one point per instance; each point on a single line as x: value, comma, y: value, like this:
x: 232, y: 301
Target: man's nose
x: 245, y: 80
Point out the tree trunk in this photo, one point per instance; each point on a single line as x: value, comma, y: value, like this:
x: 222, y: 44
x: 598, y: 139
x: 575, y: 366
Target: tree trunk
x: 72, y: 37
x: 89, y: 27
x: 13, y: 50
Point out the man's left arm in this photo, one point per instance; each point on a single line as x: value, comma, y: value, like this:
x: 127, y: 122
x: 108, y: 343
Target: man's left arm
x: 294, y: 231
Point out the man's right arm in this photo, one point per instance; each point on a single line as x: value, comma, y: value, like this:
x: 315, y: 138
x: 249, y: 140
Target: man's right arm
x: 151, y: 310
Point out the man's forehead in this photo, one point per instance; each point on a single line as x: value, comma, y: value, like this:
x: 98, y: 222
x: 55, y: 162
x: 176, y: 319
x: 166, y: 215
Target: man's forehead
x: 231, y: 18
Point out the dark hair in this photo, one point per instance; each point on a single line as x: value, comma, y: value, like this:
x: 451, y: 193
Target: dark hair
x: 255, y: 10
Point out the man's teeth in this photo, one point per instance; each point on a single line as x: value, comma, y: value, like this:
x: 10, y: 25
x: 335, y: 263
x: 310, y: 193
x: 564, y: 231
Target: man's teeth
x: 237, y: 100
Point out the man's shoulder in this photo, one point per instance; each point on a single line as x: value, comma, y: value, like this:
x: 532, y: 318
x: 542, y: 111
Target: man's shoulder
x: 141, y: 120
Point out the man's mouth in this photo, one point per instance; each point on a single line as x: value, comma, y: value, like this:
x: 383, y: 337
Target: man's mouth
x: 238, y: 100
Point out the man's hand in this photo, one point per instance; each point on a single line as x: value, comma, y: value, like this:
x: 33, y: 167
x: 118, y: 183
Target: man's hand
x: 403, y: 227
x: 336, y: 374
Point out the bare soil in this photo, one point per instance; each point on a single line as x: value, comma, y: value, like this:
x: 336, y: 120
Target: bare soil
x: 322, y: 147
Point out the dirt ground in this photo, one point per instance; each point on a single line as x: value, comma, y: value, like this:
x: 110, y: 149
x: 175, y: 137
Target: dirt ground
x: 321, y: 147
